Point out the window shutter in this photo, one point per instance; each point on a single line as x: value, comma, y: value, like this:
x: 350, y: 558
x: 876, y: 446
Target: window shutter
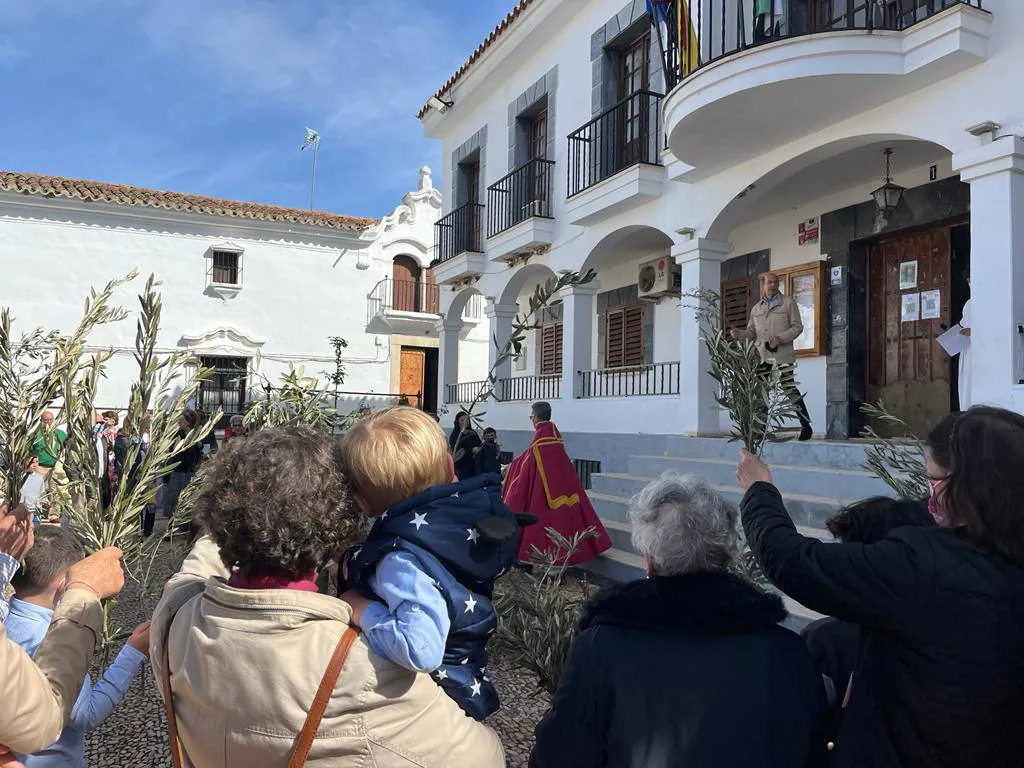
x: 551, y: 349
x: 735, y: 303
x: 624, y: 340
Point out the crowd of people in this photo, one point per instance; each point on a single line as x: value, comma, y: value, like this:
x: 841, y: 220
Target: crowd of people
x: 920, y: 663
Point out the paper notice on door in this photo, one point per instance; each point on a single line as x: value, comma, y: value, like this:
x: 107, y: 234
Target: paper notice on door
x: 910, y: 307
x: 931, y: 305
x: 953, y: 341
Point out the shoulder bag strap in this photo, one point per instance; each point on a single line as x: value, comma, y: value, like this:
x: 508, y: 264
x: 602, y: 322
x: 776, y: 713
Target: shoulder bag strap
x: 177, y: 752
x: 323, y: 696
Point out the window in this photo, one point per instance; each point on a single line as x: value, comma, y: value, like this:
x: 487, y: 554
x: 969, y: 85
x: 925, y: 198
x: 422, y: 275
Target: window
x: 634, y: 73
x: 551, y: 349
x: 225, y: 389
x: 624, y: 336
x: 537, y: 147
x: 736, y: 303
x: 226, y: 268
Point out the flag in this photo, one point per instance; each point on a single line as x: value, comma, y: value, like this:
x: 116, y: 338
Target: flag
x: 686, y: 39
x: 312, y: 139
x: 658, y: 10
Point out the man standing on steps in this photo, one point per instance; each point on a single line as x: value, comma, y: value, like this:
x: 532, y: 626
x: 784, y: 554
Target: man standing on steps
x: 543, y: 483
x: 775, y: 324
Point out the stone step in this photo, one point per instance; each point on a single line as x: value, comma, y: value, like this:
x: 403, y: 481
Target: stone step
x: 616, y: 489
x: 813, y: 453
x: 619, y: 566
x: 827, y: 482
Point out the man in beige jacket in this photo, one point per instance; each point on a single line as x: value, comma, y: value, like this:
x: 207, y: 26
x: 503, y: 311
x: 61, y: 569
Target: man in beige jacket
x: 775, y: 324
x: 38, y: 695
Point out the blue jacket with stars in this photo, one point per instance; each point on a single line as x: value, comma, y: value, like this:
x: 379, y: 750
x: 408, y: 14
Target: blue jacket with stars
x: 464, y: 537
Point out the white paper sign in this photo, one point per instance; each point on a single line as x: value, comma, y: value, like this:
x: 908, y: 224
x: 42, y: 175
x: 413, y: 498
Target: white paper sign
x: 931, y: 305
x: 953, y: 341
x: 908, y: 275
x: 910, y: 307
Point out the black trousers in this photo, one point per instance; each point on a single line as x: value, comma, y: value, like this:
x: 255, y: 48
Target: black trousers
x: 790, y: 388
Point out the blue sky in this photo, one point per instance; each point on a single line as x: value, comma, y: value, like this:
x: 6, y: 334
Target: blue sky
x: 213, y: 96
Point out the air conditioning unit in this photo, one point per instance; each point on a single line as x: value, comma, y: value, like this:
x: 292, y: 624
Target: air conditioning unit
x: 661, y: 277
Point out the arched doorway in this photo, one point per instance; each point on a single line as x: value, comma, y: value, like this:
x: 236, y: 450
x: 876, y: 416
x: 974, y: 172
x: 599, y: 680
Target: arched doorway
x: 405, y: 287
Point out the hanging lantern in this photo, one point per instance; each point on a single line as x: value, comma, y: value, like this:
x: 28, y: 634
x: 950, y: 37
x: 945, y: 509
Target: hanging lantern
x: 888, y: 196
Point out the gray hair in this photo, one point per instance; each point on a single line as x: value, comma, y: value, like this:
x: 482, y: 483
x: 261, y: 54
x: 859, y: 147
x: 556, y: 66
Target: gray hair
x: 237, y: 420
x: 682, y: 524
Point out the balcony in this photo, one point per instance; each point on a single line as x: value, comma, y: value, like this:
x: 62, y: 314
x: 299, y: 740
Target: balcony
x: 529, y: 388
x: 758, y: 83
x: 615, y: 160
x: 519, y: 216
x: 633, y: 381
x: 403, y: 306
x: 465, y: 392
x: 458, y: 238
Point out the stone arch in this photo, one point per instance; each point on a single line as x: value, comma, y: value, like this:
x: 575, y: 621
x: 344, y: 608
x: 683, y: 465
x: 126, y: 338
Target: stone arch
x: 528, y: 275
x: 460, y: 302
x: 629, y: 241
x: 858, y: 158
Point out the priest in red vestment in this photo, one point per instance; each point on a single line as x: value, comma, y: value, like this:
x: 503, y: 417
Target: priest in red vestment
x: 542, y: 482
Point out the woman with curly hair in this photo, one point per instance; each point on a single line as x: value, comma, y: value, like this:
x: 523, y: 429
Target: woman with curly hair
x: 258, y: 669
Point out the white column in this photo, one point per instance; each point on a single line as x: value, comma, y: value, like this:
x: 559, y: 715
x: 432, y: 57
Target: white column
x: 701, y: 264
x: 995, y: 172
x: 501, y: 317
x: 577, y: 334
x: 448, y: 354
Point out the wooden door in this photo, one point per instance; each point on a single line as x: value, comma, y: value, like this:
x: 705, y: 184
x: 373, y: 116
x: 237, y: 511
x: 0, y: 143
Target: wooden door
x: 537, y: 149
x: 907, y: 369
x: 405, y: 287
x: 412, y: 369
x: 634, y: 77
x: 473, y: 219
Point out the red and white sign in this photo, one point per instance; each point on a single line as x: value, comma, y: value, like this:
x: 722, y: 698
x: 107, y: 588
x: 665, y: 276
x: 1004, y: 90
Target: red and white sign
x: 808, y: 231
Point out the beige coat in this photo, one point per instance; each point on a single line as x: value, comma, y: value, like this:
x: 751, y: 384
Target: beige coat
x: 38, y: 695
x: 245, y: 665
x: 782, y: 320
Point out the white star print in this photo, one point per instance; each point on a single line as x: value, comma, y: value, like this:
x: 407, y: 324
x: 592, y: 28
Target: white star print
x: 385, y: 515
x: 475, y: 687
x: 419, y: 519
x: 464, y: 661
x: 355, y: 554
x: 442, y: 674
x: 473, y: 535
x: 470, y: 604
x: 455, y: 495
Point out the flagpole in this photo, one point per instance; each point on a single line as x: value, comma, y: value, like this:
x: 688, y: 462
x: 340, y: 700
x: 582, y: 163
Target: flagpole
x: 312, y: 186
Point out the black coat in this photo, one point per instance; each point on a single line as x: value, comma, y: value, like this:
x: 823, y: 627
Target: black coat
x: 684, y: 672
x: 940, y: 678
x: 465, y: 465
x: 487, y: 461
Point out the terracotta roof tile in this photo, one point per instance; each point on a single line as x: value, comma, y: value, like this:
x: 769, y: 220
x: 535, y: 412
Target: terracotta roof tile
x: 497, y: 32
x: 124, y: 194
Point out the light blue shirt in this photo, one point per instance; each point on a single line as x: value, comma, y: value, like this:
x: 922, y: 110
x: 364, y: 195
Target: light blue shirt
x: 8, y: 567
x: 26, y: 625
x: 411, y: 629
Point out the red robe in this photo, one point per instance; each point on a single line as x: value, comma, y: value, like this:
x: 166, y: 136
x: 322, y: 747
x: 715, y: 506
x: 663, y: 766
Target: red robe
x: 542, y: 482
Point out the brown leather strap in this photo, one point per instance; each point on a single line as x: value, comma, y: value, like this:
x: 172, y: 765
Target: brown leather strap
x: 323, y: 696
x: 177, y: 752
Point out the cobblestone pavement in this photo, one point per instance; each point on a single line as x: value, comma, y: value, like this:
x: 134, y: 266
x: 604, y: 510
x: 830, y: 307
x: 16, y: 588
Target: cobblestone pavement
x: 135, y: 736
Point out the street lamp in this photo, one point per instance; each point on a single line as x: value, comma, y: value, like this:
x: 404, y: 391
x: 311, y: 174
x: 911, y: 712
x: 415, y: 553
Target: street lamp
x: 888, y: 196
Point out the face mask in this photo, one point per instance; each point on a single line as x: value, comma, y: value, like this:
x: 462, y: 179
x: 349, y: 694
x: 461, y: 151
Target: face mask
x: 938, y: 514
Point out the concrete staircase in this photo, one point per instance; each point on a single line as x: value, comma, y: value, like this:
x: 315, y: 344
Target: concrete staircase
x: 816, y: 478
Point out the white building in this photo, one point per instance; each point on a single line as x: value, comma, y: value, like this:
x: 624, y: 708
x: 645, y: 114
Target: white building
x: 565, y: 149
x: 248, y: 288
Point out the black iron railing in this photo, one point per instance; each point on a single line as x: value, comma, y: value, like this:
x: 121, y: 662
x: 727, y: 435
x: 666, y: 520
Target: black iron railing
x: 713, y: 29
x: 459, y: 232
x: 585, y: 468
x: 529, y: 388
x: 404, y: 296
x: 618, y: 138
x: 522, y: 194
x: 464, y: 392
x: 631, y: 381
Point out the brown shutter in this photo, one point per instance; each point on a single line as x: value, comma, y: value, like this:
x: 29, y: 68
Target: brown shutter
x: 551, y: 349
x: 735, y: 303
x: 624, y: 337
